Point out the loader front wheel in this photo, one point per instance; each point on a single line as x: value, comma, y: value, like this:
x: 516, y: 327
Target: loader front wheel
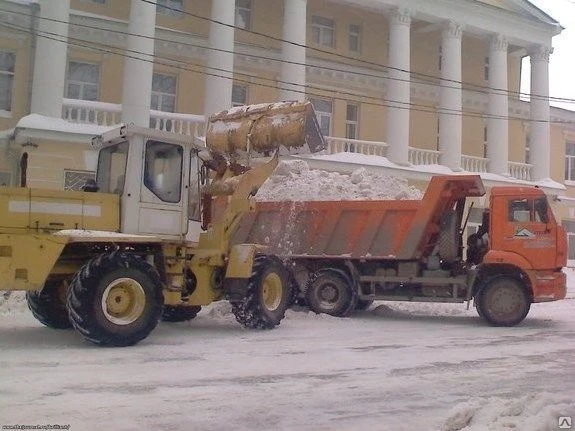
x: 48, y: 306
x: 268, y: 295
x: 503, y: 301
x: 115, y: 299
x: 331, y: 291
x: 180, y: 313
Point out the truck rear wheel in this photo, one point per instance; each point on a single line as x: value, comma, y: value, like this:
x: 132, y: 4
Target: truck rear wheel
x: 269, y: 294
x: 48, y: 306
x: 503, y: 301
x: 115, y: 299
x: 331, y: 291
x: 180, y: 313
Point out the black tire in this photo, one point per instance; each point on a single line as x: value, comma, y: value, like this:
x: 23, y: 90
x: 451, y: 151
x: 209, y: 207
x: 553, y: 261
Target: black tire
x: 268, y: 295
x: 115, y: 299
x: 503, y: 301
x: 363, y: 304
x: 48, y: 306
x: 180, y: 313
x: 331, y: 291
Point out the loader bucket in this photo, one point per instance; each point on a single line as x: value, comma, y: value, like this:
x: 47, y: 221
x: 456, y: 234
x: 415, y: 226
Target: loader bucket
x: 290, y: 127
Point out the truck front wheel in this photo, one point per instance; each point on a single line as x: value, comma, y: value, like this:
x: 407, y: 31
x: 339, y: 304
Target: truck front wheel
x: 503, y: 301
x: 268, y: 295
x: 48, y: 306
x: 115, y: 299
x: 331, y: 291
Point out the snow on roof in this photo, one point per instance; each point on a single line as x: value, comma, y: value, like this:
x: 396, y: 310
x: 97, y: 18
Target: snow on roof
x: 24, y: 2
x: 41, y: 122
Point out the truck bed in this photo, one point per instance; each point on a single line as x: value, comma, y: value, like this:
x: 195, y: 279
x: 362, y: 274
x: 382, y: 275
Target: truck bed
x: 379, y: 229
x: 359, y: 229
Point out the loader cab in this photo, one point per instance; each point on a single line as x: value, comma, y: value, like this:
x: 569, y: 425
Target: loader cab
x: 156, y: 175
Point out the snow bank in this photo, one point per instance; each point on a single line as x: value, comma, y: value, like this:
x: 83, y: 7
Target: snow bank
x: 12, y: 303
x: 534, y: 412
x: 293, y: 180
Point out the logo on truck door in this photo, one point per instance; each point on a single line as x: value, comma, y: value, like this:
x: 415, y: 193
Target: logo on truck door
x: 522, y: 232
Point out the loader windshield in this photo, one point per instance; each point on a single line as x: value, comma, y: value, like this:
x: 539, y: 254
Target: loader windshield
x: 112, y: 168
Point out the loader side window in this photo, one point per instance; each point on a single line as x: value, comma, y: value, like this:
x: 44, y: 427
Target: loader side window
x: 163, y: 170
x: 194, y: 201
x: 112, y: 168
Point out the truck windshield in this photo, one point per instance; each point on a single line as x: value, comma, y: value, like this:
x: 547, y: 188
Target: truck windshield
x: 112, y: 168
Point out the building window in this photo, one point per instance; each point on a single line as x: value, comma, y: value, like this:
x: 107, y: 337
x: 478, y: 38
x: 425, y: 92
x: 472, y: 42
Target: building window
x: 440, y: 58
x: 486, y: 69
x: 527, y: 145
x: 484, y: 142
x: 351, y: 121
x: 243, y: 14
x: 75, y: 180
x: 7, y: 63
x: 323, y: 31
x: 163, y: 92
x: 239, y: 95
x: 324, y: 113
x: 437, y: 135
x: 570, y: 161
x: 355, y: 38
x: 5, y: 179
x: 97, y: 1
x: 170, y: 7
x: 83, y: 81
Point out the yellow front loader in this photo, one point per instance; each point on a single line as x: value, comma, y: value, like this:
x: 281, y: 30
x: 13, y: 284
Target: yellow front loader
x: 149, y: 240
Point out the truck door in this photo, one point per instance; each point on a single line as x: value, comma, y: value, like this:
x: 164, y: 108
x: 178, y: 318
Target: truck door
x: 163, y: 194
x: 530, y: 230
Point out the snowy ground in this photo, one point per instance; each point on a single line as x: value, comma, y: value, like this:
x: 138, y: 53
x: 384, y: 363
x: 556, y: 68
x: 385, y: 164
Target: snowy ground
x: 395, y: 367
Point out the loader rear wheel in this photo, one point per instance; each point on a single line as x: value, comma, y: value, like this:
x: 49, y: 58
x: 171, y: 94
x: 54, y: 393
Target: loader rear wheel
x: 503, y: 301
x: 331, y: 291
x: 268, y: 295
x: 48, y: 306
x: 115, y: 299
x: 180, y: 313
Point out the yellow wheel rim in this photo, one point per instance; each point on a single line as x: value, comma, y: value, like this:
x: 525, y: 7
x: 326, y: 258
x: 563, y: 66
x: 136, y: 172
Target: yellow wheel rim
x: 272, y: 291
x: 123, y: 301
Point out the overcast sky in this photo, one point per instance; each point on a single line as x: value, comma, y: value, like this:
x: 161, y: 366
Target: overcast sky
x: 562, y: 64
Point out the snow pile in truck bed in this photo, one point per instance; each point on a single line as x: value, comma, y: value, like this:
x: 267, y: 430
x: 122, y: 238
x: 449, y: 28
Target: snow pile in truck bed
x: 293, y: 180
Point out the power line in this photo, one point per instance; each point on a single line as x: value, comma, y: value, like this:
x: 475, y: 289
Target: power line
x: 390, y: 104
x: 473, y: 87
x: 346, y: 57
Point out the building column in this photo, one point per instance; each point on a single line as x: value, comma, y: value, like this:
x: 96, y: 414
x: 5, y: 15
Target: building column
x: 293, y: 56
x: 450, y: 112
x: 539, y: 142
x: 139, y: 64
x: 50, y: 59
x: 399, y: 87
x: 498, y: 109
x: 220, y: 64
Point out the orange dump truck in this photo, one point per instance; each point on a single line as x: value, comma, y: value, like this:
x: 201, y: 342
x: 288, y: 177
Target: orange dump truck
x: 346, y: 254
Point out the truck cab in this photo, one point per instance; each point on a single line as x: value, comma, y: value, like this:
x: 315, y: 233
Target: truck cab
x: 523, y: 233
